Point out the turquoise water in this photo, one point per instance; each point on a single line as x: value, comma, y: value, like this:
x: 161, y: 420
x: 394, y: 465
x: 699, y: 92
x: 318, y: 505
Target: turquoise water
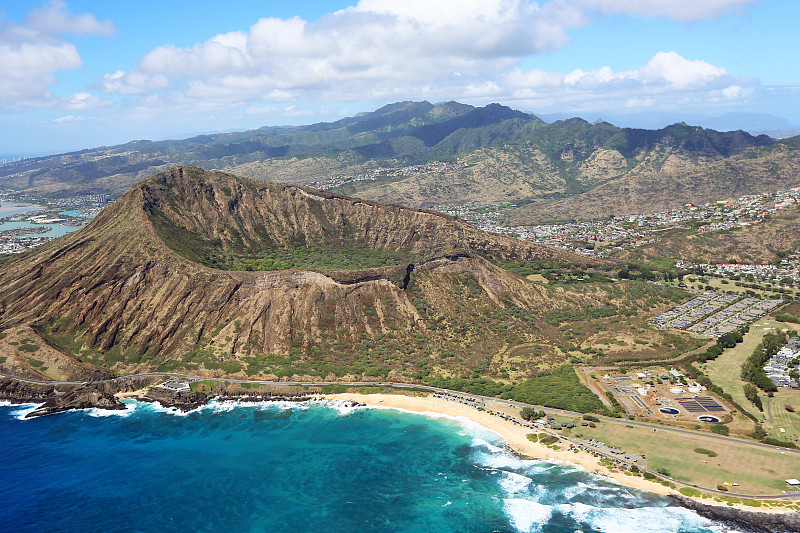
x: 73, y: 213
x: 283, y: 467
x: 56, y: 230
x: 8, y: 209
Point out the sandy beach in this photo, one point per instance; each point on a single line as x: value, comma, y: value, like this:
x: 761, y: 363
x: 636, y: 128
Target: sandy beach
x: 516, y: 438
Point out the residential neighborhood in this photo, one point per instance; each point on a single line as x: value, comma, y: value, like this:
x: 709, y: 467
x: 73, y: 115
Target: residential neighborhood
x: 782, y: 367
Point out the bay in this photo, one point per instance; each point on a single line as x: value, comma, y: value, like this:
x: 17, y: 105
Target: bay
x: 280, y: 467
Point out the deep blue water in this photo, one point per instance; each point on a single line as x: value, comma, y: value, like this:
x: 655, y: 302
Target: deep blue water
x: 290, y: 468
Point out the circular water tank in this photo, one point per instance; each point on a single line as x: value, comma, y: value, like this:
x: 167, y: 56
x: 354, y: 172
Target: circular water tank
x: 708, y: 418
x: 669, y: 410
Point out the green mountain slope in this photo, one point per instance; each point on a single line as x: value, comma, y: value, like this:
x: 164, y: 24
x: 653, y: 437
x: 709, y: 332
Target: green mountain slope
x: 565, y: 170
x: 407, y: 131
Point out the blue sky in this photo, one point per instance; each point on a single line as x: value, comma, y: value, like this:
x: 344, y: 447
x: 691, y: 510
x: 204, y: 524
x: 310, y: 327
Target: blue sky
x: 85, y: 73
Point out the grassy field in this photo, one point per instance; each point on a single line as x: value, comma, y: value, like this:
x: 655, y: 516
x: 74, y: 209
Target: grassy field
x: 758, y: 471
x: 725, y: 371
x: 778, y: 417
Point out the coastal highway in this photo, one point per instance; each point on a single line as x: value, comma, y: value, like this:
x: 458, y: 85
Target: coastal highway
x: 509, y: 403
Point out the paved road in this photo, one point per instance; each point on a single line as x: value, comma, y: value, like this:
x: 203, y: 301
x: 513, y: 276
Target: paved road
x: 510, y: 403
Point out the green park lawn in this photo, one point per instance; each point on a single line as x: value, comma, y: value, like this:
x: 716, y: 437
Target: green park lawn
x: 759, y: 471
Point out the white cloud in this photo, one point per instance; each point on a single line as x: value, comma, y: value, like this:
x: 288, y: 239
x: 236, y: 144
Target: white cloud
x: 33, y: 51
x: 261, y: 110
x: 372, y: 50
x: 665, y: 71
x: 294, y: 111
x: 135, y: 82
x: 28, y: 68
x: 732, y: 92
x: 666, y: 80
x: 681, y: 10
x: 385, y: 50
x: 382, y: 50
x: 54, y: 18
x: 67, y: 118
x: 83, y: 101
x: 681, y: 73
x: 640, y: 103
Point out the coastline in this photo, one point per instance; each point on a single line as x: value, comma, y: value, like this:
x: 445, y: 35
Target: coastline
x: 107, y: 395
x: 515, y: 437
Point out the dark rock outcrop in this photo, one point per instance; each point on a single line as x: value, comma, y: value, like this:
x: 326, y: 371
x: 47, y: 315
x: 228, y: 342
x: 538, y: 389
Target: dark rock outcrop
x: 752, y: 521
x: 183, y: 400
x: 56, y: 398
x: 81, y: 397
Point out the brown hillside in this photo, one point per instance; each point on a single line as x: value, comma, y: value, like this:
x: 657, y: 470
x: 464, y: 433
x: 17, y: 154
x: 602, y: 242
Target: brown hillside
x: 669, y: 182
x: 131, y: 290
x: 756, y: 244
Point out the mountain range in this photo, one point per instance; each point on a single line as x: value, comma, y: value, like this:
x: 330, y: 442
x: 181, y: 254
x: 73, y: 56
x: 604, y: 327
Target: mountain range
x: 418, y: 154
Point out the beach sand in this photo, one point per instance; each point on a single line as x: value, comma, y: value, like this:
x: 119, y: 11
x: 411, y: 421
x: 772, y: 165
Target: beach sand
x: 516, y: 438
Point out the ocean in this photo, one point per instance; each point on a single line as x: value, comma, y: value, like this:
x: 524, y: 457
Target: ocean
x: 284, y: 467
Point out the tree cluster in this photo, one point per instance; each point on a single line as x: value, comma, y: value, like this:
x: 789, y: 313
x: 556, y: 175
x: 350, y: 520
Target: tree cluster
x: 753, y: 367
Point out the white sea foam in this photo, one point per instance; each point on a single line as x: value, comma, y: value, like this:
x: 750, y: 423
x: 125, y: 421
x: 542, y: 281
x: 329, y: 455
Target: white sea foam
x: 635, y: 520
x: 225, y: 405
x: 513, y: 483
x: 504, y: 459
x: 527, y: 515
x: 24, y: 410
x: 477, y: 441
x: 481, y: 434
x: 343, y: 407
x: 100, y: 413
x: 159, y: 408
x: 575, y: 490
x: 219, y: 405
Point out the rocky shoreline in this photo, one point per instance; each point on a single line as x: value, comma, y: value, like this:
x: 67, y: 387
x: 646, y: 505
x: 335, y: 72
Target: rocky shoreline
x: 58, y: 398
x: 752, y: 521
x: 186, y: 401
